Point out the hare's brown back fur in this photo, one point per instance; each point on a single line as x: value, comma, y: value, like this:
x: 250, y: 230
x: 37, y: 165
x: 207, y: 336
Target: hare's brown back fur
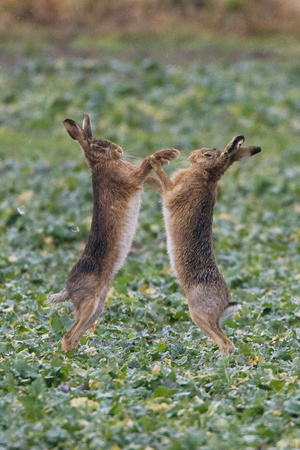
x: 115, y: 214
x: 190, y: 205
x: 188, y: 211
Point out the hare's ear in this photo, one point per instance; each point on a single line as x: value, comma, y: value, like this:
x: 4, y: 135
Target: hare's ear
x: 87, y: 126
x: 234, y: 144
x: 244, y: 152
x: 75, y: 131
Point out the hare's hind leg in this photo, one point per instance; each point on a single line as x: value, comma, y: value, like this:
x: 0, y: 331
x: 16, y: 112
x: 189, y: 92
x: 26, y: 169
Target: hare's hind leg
x: 87, y: 312
x: 211, y: 327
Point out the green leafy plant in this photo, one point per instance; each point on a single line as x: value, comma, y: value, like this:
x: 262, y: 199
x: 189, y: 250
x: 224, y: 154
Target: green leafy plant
x: 146, y: 377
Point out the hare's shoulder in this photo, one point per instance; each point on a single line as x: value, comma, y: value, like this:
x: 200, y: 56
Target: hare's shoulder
x: 112, y: 169
x: 184, y: 179
x: 115, y: 176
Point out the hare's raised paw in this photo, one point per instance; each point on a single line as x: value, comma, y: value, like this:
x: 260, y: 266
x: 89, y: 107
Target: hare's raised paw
x: 166, y: 155
x: 154, y: 162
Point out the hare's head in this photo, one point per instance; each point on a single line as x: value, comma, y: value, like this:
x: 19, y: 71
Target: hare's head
x: 95, y: 150
x: 209, y: 158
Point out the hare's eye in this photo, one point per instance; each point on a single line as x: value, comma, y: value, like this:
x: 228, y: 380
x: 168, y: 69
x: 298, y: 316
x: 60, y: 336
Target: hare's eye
x: 208, y: 155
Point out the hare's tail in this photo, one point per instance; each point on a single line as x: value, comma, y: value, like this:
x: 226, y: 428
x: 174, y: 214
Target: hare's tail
x: 231, y: 308
x: 61, y: 296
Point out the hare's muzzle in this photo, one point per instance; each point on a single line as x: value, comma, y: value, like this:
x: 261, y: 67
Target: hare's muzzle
x: 118, y: 153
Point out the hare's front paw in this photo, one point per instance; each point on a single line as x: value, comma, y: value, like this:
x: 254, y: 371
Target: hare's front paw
x: 165, y: 155
x: 155, y: 163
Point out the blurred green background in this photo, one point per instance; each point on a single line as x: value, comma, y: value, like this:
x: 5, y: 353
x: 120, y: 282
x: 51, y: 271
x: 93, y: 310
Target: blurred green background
x: 151, y: 75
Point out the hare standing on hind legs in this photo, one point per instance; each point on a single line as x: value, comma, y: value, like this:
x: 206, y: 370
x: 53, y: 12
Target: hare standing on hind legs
x: 117, y: 189
x: 188, y: 202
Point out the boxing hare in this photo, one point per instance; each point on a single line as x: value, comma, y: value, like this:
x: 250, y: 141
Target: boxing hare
x: 188, y: 202
x: 117, y: 188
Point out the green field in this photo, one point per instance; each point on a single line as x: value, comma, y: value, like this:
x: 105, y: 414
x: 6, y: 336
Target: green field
x: 146, y: 377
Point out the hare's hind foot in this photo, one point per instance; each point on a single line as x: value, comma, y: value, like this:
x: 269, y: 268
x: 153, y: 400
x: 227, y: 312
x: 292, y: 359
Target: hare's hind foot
x: 226, y: 349
x: 211, y: 327
x: 87, y: 312
x: 68, y: 343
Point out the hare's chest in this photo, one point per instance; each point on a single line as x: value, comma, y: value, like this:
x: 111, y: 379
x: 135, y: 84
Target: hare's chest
x: 127, y: 229
x: 131, y: 217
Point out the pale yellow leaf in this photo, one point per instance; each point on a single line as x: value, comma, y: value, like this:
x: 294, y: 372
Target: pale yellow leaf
x: 25, y: 196
x: 156, y: 370
x: 84, y: 402
x: 93, y: 384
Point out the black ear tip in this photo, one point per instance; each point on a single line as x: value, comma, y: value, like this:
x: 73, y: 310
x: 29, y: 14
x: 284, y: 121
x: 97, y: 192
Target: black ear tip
x: 238, y: 140
x: 235, y: 143
x: 256, y: 150
x: 68, y: 121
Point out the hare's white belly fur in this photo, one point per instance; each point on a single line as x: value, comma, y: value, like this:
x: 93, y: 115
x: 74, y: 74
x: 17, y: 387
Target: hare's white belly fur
x: 128, y: 230
x: 170, y: 244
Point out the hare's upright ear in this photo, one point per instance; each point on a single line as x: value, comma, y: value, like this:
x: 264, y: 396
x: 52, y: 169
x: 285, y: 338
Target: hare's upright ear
x: 76, y: 131
x: 87, y: 126
x: 234, y: 144
x: 244, y: 152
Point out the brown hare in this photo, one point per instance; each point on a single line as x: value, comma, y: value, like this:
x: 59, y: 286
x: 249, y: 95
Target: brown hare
x: 117, y: 189
x: 188, y: 203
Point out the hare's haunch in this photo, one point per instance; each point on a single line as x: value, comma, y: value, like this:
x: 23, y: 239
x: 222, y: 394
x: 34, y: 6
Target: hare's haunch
x: 188, y: 203
x: 117, y: 188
